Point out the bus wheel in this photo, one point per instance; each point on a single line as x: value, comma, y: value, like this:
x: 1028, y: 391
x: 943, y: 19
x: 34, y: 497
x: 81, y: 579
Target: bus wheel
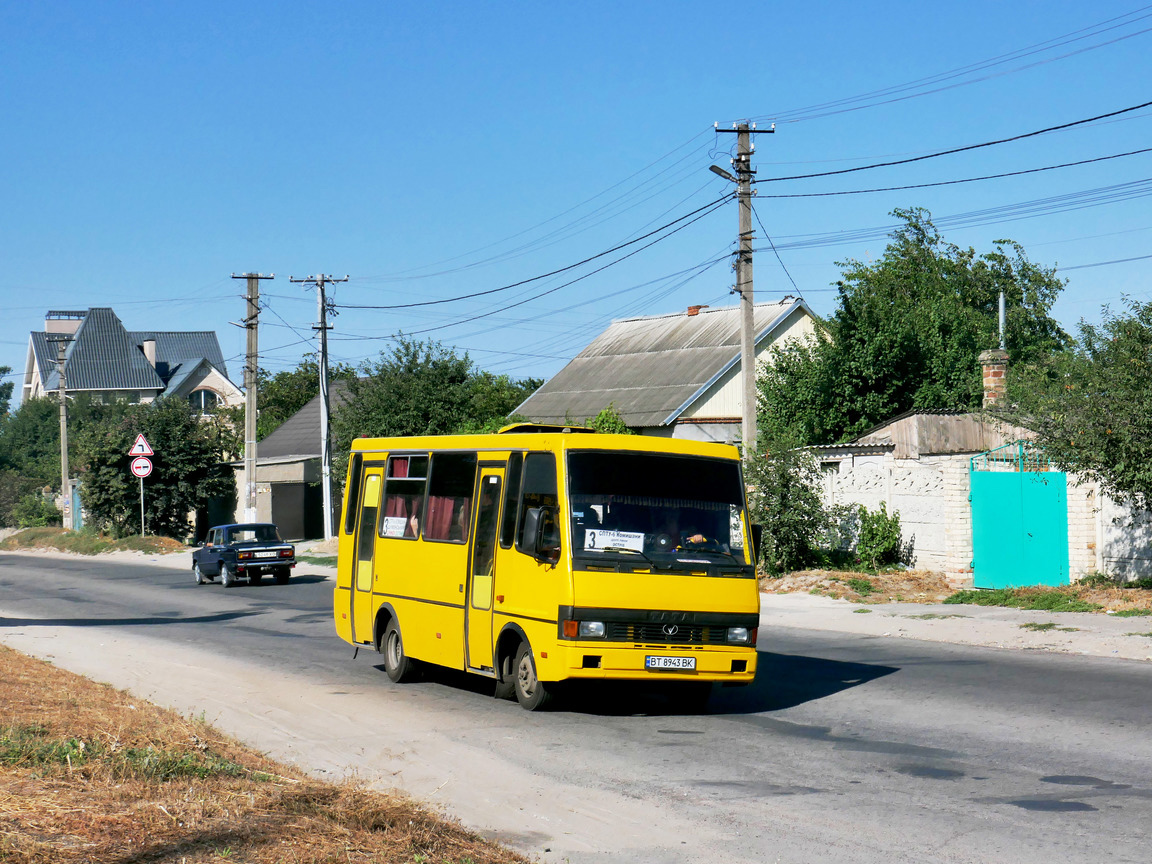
x: 399, y: 666
x: 506, y: 684
x: 531, y: 692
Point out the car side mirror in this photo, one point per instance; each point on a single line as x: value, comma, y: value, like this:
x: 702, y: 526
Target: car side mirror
x: 542, y: 534
x: 757, y: 539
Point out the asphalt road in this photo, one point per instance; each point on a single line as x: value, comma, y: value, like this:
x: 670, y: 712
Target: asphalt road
x: 848, y: 748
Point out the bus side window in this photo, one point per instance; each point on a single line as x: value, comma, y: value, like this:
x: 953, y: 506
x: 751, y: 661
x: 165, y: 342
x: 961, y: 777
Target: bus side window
x: 404, y: 496
x: 538, y: 489
x: 352, y: 493
x: 511, y: 496
x: 450, y: 497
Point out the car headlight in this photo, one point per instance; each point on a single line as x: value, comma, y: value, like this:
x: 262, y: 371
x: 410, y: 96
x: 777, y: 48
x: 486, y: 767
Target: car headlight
x: 591, y: 629
x: 738, y: 635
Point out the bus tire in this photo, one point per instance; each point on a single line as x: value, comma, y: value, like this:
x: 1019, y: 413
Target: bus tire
x: 506, y: 683
x: 531, y: 692
x: 400, y: 667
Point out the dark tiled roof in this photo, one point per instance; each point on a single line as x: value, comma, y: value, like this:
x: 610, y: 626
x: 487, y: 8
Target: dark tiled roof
x: 104, y: 356
x: 299, y: 435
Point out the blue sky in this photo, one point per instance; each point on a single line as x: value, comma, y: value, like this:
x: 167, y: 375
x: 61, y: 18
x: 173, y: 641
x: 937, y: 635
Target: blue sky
x: 438, y: 149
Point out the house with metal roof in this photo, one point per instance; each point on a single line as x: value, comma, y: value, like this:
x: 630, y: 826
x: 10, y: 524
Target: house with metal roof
x: 102, y: 358
x: 670, y: 375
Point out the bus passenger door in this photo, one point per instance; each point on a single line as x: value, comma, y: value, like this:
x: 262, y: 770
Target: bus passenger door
x: 365, y: 547
x: 482, y: 569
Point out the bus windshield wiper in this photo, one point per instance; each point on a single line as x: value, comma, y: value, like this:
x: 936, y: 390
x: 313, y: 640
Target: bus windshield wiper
x: 629, y: 551
x: 683, y: 551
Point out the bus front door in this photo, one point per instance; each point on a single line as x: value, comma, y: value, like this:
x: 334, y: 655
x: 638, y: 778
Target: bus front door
x: 482, y: 569
x: 365, y: 549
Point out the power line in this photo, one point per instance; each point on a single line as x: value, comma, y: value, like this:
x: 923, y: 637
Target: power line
x: 1103, y: 263
x: 955, y: 149
x: 545, y: 275
x: 965, y: 180
x: 715, y: 205
x: 876, y: 97
x: 773, y: 245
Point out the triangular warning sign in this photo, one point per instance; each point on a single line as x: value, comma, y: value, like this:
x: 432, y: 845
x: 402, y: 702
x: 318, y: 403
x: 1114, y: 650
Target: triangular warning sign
x: 141, y: 448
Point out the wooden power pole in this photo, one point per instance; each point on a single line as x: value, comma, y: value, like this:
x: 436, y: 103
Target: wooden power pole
x: 251, y: 365
x: 743, y: 179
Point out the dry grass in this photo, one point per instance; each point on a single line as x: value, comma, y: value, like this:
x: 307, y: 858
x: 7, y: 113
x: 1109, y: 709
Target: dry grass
x: 924, y: 586
x: 88, y: 773
x: 87, y: 542
x: 909, y: 586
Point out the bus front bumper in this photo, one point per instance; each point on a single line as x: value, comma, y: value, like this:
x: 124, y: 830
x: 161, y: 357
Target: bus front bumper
x: 606, y: 661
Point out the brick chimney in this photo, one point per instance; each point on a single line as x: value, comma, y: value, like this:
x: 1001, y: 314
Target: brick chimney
x: 994, y: 363
x: 695, y: 310
x: 149, y: 348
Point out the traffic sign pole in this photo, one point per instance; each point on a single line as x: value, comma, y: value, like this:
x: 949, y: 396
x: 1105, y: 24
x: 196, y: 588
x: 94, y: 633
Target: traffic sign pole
x: 141, y: 506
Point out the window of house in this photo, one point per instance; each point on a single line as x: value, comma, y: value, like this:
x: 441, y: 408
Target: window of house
x: 450, y: 497
x: 404, y: 496
x: 203, y: 401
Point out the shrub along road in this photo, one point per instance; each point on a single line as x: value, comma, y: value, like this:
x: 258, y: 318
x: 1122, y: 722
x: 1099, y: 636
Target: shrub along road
x: 849, y: 746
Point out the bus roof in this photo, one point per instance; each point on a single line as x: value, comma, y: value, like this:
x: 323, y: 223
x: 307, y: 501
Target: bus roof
x: 558, y: 440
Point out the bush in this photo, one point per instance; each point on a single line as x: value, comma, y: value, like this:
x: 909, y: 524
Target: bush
x: 36, y: 511
x: 878, y: 544
x: 784, y: 497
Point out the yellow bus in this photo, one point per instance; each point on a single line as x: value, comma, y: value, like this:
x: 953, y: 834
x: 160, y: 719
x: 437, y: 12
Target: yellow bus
x: 540, y: 555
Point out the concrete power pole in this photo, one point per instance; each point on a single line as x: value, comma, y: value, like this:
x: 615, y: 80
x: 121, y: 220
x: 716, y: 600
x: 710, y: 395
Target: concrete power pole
x: 65, y: 482
x: 743, y: 179
x: 251, y: 365
x: 325, y: 408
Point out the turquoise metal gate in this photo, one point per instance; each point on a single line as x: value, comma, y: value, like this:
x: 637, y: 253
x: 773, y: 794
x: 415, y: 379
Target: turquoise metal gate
x: 1019, y: 519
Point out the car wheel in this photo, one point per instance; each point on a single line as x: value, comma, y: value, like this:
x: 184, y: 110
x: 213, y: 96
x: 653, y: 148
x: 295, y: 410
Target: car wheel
x: 227, y: 577
x: 282, y: 575
x: 399, y: 666
x: 200, y: 578
x: 531, y: 692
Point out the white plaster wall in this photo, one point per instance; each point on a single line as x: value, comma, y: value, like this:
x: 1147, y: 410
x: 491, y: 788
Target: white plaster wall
x: 1125, y: 539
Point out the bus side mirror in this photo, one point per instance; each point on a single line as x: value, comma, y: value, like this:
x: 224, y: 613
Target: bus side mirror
x: 541, y: 534
x: 757, y: 537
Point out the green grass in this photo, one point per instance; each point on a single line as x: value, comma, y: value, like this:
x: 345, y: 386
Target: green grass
x: 933, y: 616
x: 1046, y: 626
x: 1033, y: 599
x: 321, y: 560
x: 861, y: 611
x: 1149, y: 635
x: 863, y: 587
x: 32, y: 747
x: 1133, y: 613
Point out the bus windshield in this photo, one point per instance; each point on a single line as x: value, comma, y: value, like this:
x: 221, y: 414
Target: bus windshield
x: 656, y: 505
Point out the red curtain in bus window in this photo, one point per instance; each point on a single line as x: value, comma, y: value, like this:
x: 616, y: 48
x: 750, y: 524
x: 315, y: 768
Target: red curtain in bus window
x: 447, y: 518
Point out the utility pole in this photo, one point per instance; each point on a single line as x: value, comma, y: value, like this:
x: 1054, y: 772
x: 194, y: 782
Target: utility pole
x: 62, y: 390
x: 323, y: 327
x: 251, y: 365
x: 743, y: 180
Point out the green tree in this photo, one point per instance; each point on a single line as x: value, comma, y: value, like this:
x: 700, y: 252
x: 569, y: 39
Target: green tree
x: 188, y: 470
x: 609, y: 421
x: 6, y: 386
x: 422, y: 388
x: 1091, y: 406
x: 280, y: 396
x: 906, y: 334
x: 784, y: 497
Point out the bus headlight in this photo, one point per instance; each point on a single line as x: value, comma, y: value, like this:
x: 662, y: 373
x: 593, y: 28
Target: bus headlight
x: 591, y: 629
x: 739, y: 635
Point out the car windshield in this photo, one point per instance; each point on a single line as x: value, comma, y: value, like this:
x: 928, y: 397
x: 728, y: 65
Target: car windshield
x: 655, y: 505
x: 253, y: 534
